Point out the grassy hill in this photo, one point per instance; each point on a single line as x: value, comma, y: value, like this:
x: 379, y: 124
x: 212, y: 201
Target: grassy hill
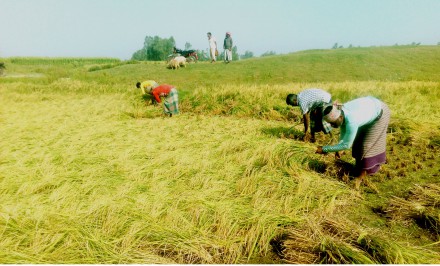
x: 91, y: 173
x: 398, y: 63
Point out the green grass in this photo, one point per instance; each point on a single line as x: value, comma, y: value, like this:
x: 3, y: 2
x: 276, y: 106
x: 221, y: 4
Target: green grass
x: 90, y: 173
x: 400, y: 63
x: 75, y: 61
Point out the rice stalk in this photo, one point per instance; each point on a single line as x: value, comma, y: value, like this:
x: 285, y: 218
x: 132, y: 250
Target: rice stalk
x: 421, y: 207
x: 95, y: 175
x: 340, y: 242
x: 389, y: 251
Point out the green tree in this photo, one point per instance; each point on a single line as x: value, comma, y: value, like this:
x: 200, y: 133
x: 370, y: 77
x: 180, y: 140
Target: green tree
x: 246, y: 55
x: 268, y: 53
x: 203, y: 55
x: 155, y: 49
x: 235, y: 55
x: 140, y: 55
x: 2, y: 68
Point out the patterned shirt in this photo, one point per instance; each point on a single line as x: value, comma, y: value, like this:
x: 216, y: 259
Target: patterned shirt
x: 309, y: 99
x: 357, y: 113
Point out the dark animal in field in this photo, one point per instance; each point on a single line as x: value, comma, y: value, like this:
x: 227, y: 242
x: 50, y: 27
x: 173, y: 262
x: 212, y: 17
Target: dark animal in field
x: 190, y: 55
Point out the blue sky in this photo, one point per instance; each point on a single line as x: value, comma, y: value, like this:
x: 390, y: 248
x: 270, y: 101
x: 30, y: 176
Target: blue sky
x: 117, y: 28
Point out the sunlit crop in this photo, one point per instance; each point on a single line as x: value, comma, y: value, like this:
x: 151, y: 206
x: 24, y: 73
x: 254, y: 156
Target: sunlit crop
x: 92, y: 173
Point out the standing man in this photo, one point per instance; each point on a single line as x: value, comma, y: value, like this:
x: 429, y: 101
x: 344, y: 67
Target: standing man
x: 363, y: 122
x: 227, y: 45
x: 311, y: 101
x: 212, y: 47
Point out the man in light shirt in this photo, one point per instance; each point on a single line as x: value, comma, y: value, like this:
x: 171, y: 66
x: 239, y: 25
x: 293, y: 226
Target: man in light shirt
x: 212, y: 47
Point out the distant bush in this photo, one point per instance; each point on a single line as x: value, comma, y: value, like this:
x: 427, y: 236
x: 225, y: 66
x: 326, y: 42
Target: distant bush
x: 155, y: 49
x: 2, y: 67
x: 246, y: 55
x: 268, y: 53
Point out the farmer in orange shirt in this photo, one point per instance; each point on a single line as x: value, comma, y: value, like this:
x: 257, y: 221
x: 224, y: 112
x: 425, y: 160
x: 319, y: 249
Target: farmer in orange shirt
x: 170, y: 98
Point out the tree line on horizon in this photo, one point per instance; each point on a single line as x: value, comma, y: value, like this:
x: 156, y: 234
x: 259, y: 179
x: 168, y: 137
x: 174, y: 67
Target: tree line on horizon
x: 338, y: 46
x: 158, y: 49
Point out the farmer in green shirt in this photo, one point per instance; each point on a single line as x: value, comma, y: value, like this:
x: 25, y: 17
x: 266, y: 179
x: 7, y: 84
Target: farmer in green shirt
x: 363, y: 124
x: 227, y: 45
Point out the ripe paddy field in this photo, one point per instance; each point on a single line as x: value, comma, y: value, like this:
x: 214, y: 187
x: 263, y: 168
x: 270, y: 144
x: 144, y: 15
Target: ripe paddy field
x: 90, y: 172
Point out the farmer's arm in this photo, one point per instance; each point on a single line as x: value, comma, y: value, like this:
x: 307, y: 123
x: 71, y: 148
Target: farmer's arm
x: 348, y: 134
x: 307, y: 135
x: 156, y: 96
x: 306, y: 118
x: 153, y: 101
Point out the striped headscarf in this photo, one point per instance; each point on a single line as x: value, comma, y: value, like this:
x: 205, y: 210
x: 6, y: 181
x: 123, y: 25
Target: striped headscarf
x: 334, y: 114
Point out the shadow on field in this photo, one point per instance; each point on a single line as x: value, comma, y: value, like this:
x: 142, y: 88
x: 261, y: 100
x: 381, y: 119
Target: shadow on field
x: 338, y: 169
x: 283, y: 132
x: 140, y: 114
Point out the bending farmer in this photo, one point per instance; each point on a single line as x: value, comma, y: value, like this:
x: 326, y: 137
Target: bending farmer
x: 363, y: 122
x: 311, y: 101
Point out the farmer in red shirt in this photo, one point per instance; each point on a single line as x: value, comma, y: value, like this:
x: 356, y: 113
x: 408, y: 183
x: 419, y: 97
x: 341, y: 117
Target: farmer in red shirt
x: 170, y: 98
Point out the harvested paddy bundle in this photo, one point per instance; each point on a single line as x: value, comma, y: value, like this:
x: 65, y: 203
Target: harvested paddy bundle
x: 422, y: 207
x: 342, y: 242
x: 428, y: 195
x: 327, y: 241
x: 296, y: 247
x: 387, y: 251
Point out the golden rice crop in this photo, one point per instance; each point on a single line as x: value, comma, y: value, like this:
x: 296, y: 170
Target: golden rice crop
x: 340, y: 241
x: 91, y: 173
x: 422, y: 207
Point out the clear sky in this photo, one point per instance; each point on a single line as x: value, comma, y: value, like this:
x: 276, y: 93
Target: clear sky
x: 117, y: 28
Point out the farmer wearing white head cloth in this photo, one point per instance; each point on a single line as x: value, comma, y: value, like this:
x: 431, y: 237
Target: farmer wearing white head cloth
x: 363, y: 122
x: 227, y: 45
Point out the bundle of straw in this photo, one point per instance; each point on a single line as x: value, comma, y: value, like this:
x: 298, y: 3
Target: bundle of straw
x: 422, y: 207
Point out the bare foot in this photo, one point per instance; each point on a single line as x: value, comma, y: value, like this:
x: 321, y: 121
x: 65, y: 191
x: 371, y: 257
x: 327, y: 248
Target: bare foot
x: 358, y: 180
